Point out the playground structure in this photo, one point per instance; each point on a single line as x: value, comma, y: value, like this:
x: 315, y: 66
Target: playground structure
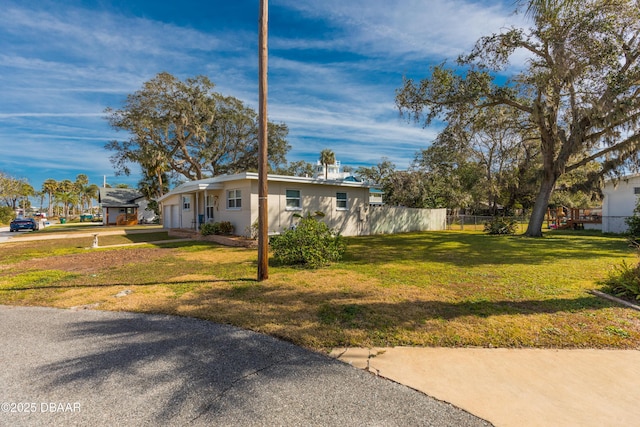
x: 563, y: 218
x: 127, y: 219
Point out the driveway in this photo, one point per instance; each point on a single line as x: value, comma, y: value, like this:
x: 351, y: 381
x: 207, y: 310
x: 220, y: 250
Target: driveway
x: 65, y: 367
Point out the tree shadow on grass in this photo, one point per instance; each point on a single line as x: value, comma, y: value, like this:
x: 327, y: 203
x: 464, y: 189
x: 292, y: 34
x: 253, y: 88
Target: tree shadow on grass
x: 330, y: 304
x: 335, y: 318
x: 345, y: 306
x: 466, y: 249
x: 419, y: 311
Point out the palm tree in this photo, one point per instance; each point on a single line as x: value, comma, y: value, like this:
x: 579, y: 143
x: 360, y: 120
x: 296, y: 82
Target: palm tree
x: 65, y: 187
x: 79, y: 185
x: 327, y: 157
x: 67, y: 198
x: 50, y: 186
x: 41, y: 195
x: 89, y: 193
x: 82, y: 179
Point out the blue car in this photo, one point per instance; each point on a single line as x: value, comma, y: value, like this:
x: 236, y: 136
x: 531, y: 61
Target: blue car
x: 24, y: 224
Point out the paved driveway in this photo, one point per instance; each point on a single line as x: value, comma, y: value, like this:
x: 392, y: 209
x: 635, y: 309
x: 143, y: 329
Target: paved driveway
x: 64, y: 367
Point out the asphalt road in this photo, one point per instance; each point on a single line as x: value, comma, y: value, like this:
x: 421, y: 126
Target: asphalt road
x: 64, y: 367
x: 5, y: 234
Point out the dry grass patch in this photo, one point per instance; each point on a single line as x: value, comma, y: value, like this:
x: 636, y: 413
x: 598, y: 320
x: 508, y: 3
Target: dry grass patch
x: 90, y: 261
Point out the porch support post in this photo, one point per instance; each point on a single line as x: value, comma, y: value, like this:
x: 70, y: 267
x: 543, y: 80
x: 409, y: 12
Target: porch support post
x: 206, y: 213
x: 197, y: 218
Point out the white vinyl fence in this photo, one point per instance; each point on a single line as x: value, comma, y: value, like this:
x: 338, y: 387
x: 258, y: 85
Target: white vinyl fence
x: 477, y: 222
x: 393, y: 219
x: 610, y: 224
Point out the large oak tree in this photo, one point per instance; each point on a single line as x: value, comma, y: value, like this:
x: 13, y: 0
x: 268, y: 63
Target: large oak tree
x: 579, y: 89
x: 186, y: 129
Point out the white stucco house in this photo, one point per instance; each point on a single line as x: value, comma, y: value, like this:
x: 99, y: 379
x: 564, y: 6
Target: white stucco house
x: 234, y: 198
x: 619, y: 201
x: 350, y: 206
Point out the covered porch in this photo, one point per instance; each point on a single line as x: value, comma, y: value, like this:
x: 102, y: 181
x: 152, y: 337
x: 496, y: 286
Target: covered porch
x: 194, y: 207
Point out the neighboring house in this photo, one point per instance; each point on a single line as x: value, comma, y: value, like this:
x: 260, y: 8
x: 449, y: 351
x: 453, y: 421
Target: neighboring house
x: 345, y: 203
x: 618, y: 203
x: 123, y: 206
x: 375, y: 194
x: 375, y: 197
x: 333, y: 171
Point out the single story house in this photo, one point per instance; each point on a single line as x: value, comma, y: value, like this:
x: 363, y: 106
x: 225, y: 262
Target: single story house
x: 123, y: 206
x: 619, y: 200
x: 234, y: 198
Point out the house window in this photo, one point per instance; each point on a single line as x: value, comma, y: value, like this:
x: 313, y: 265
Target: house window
x: 234, y: 199
x: 636, y: 190
x: 341, y: 201
x: 293, y: 200
x: 186, y: 203
x: 210, y: 206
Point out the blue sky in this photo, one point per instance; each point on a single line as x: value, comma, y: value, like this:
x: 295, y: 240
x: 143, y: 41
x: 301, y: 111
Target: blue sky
x: 334, y: 66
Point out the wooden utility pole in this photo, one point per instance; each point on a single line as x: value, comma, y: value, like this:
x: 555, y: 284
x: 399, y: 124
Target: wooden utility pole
x: 263, y: 217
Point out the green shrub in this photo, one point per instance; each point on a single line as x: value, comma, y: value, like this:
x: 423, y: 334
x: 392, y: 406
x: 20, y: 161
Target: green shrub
x: 224, y: 227
x: 633, y: 222
x: 6, y: 214
x: 624, y: 282
x: 499, y: 225
x: 311, y: 244
x: 208, y: 229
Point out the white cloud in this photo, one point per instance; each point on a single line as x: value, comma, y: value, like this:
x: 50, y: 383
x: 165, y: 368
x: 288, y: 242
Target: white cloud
x: 355, y: 138
x: 97, y: 34
x: 406, y: 28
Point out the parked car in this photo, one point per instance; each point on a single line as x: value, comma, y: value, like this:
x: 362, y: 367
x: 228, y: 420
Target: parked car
x: 24, y: 224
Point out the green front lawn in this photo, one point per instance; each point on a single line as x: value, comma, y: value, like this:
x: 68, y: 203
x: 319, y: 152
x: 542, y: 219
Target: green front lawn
x: 425, y: 289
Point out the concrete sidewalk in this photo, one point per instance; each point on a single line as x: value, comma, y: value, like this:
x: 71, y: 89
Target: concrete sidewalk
x: 517, y: 387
